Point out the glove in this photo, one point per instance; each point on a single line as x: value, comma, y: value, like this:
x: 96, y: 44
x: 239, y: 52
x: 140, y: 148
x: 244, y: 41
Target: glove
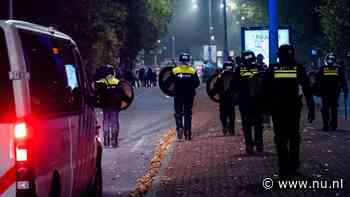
x: 311, y: 116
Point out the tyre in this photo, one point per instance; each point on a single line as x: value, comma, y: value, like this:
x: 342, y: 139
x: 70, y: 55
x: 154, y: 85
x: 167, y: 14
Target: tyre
x: 55, y: 190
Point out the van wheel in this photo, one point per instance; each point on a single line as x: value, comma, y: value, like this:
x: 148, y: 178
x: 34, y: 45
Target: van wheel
x: 55, y: 190
x: 98, y: 183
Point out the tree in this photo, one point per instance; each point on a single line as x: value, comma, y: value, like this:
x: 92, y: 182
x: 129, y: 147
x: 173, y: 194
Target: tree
x: 147, y: 22
x: 336, y: 24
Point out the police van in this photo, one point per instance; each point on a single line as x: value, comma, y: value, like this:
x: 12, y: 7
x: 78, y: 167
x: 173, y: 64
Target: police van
x: 49, y: 144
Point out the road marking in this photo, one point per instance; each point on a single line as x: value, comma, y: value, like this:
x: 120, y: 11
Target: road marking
x: 138, y: 144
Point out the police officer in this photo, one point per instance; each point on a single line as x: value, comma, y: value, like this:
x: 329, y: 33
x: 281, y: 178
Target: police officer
x: 332, y: 81
x: 224, y: 87
x: 249, y: 89
x: 109, y: 95
x: 284, y: 85
x: 186, y: 81
x: 260, y: 62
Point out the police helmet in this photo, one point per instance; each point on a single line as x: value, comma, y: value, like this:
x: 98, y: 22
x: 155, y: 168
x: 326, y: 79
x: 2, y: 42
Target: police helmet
x: 286, y: 54
x: 228, y: 66
x: 260, y: 57
x: 248, y: 58
x: 109, y: 70
x: 331, y: 59
x: 185, y: 58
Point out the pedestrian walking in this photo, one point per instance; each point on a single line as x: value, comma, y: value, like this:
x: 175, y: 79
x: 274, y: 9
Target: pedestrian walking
x: 142, y: 77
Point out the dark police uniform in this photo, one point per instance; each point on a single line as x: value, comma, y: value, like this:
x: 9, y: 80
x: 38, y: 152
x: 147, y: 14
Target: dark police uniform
x: 109, y: 91
x: 186, y: 81
x: 224, y: 87
x: 249, y: 91
x: 284, y: 85
x: 332, y: 81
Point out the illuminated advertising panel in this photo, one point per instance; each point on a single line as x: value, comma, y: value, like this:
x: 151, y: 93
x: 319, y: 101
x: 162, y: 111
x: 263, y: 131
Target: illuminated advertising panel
x: 257, y: 40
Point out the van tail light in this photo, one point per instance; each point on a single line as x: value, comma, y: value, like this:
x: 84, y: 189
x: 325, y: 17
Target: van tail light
x: 25, y: 184
x: 20, y: 130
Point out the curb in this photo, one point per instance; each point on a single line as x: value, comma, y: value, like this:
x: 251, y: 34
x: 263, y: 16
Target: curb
x: 165, y: 163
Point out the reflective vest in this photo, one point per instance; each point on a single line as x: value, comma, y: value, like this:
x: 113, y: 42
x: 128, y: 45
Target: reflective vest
x: 109, y: 81
x: 184, y: 71
x: 330, y: 71
x: 285, y: 73
x: 244, y: 72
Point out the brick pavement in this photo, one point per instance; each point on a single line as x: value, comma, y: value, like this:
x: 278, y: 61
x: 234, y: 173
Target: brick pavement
x: 214, y: 165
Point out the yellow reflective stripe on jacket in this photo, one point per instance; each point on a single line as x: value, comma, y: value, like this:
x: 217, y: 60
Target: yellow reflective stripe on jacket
x: 286, y: 74
x: 328, y: 72
x: 183, y: 70
x: 248, y: 72
x: 109, y: 81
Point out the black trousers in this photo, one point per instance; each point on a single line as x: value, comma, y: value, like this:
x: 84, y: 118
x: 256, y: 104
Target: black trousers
x: 250, y: 120
x: 183, y: 113
x: 227, y: 116
x: 329, y: 112
x: 287, y: 139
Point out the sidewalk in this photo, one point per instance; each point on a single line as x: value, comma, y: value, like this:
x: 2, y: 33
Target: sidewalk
x: 216, y: 165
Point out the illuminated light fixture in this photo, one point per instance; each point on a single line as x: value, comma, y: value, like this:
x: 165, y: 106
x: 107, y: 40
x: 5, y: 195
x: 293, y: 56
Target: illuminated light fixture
x: 20, y: 130
x: 212, y: 37
x: 195, y: 6
x: 21, y: 154
x: 55, y: 51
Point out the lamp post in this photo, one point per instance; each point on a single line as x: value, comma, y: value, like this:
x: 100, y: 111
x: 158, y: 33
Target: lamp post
x: 273, y: 30
x: 173, y: 38
x: 10, y: 9
x: 210, y: 6
x: 225, y: 31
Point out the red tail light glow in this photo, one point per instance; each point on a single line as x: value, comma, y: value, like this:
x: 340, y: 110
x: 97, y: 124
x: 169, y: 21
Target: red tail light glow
x: 20, y: 130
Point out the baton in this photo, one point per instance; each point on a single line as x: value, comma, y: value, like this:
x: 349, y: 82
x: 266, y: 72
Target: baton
x: 346, y: 107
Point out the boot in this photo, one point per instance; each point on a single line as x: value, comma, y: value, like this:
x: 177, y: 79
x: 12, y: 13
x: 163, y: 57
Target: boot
x: 180, y: 132
x: 106, y: 140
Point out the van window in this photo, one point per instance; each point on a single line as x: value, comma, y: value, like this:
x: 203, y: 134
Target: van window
x: 7, y: 106
x: 54, y: 82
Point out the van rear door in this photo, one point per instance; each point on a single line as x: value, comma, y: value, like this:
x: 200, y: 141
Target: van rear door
x: 51, y: 100
x: 7, y: 118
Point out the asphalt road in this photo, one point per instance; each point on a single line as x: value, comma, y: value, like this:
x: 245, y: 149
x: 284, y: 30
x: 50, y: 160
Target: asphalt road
x: 141, y: 128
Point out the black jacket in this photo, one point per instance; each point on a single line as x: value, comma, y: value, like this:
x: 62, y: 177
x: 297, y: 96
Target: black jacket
x: 331, y: 81
x: 186, y: 80
x: 283, y: 88
x: 225, y: 88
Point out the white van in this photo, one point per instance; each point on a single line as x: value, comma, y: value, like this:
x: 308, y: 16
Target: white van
x: 49, y: 143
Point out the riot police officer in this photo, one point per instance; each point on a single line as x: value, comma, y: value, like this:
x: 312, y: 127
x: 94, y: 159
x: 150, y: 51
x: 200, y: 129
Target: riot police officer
x: 249, y: 89
x: 284, y: 85
x: 109, y: 95
x: 332, y: 81
x: 260, y: 62
x: 186, y: 81
x: 224, y: 87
